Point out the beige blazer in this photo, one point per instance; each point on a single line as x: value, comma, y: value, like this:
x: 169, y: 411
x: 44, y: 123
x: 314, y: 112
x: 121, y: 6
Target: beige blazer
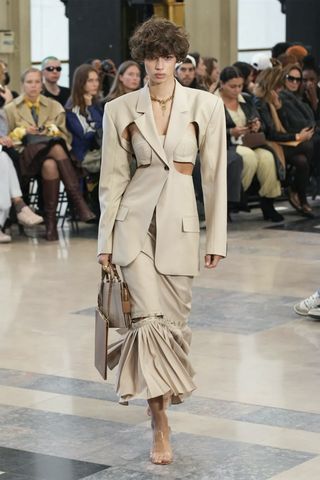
x: 127, y: 205
x: 19, y: 115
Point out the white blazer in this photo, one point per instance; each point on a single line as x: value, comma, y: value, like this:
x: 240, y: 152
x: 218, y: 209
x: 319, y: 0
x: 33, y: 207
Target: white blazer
x: 128, y: 204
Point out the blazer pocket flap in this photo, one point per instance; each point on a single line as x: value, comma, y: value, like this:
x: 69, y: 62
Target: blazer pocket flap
x: 190, y: 224
x: 122, y: 213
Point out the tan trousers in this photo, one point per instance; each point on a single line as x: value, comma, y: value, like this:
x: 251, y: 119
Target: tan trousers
x: 154, y: 353
x: 259, y: 162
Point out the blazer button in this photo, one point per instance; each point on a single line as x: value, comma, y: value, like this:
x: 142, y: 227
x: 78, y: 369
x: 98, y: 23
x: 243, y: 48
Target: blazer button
x: 166, y: 167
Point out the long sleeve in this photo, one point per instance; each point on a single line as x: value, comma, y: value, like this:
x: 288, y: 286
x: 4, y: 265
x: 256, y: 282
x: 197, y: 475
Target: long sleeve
x: 114, y: 178
x: 268, y: 126
x: 213, y: 159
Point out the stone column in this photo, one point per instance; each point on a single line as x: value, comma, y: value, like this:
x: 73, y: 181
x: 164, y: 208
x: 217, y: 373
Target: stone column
x: 212, y: 26
x: 15, y: 16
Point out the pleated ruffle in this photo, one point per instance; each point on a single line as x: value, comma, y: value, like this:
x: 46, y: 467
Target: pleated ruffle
x: 152, y: 360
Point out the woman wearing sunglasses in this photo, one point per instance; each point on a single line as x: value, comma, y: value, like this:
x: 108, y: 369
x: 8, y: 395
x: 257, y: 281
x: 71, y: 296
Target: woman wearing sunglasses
x: 297, y: 116
x: 51, y: 72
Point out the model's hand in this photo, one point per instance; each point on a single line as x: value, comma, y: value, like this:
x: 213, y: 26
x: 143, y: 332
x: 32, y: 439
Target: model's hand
x: 211, y: 261
x: 104, y: 259
x: 6, y: 142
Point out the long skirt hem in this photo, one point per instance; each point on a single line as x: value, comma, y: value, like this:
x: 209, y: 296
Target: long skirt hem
x: 152, y: 360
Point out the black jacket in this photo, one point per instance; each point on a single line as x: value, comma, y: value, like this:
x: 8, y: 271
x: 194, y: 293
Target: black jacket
x: 249, y: 110
x: 268, y: 125
x: 317, y: 112
x: 294, y: 113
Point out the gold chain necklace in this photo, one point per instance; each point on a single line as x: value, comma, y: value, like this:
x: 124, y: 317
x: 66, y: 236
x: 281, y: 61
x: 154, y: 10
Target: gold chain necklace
x: 163, y: 102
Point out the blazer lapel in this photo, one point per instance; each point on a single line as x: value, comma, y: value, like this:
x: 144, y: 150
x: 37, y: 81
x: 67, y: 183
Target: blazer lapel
x: 146, y: 123
x: 43, y: 111
x: 25, y: 113
x: 179, y: 120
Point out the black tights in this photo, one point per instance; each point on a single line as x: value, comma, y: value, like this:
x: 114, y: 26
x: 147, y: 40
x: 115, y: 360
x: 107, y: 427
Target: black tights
x: 300, y: 157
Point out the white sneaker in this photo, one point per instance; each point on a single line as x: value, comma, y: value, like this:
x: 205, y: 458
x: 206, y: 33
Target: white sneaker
x: 28, y: 218
x: 304, y: 307
x: 314, y: 313
x: 4, y: 238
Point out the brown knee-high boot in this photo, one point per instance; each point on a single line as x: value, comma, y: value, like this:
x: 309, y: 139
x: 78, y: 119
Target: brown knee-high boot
x: 71, y: 183
x: 50, y: 200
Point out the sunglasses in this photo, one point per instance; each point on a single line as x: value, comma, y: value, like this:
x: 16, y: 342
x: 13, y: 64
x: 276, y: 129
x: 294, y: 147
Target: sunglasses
x: 292, y: 79
x: 52, y: 69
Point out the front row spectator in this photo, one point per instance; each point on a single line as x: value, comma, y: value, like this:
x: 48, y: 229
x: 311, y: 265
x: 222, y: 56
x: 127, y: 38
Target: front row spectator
x: 84, y: 121
x: 36, y: 125
x: 299, y: 153
x: 10, y: 194
x: 84, y: 112
x: 241, y: 118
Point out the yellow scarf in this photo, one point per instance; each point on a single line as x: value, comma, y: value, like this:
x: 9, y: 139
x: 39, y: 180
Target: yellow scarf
x: 35, y: 105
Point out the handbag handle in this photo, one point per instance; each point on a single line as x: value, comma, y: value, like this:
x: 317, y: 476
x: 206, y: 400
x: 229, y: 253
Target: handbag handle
x: 110, y: 273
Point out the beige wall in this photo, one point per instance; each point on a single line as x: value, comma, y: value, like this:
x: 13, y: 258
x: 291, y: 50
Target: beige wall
x: 15, y: 15
x: 212, y: 26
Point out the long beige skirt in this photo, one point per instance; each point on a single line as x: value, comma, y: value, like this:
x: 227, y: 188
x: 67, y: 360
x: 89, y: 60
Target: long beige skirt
x: 152, y: 357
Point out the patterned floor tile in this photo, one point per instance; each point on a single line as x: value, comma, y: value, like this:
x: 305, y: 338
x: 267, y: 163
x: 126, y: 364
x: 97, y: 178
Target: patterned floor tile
x: 25, y: 464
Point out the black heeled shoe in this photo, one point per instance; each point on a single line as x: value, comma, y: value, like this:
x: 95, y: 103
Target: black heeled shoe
x: 268, y: 210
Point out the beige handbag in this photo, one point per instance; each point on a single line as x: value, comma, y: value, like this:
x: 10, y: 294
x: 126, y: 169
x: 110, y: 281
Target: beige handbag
x: 113, y: 311
x: 114, y: 298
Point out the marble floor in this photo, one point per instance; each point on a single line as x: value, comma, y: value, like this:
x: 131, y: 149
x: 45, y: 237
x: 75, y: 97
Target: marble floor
x: 256, y: 412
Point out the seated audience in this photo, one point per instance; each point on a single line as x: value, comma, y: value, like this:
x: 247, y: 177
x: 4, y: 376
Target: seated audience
x: 6, y: 95
x: 297, y: 51
x: 268, y: 87
x: 84, y: 112
x: 201, y: 70
x: 127, y: 79
x: 260, y: 61
x: 311, y: 89
x: 212, y: 73
x: 84, y: 121
x: 247, y: 72
x: 51, y: 72
x: 242, y: 118
x: 186, y: 72
x: 10, y: 194
x: 296, y: 114
x: 279, y: 48
x: 36, y: 125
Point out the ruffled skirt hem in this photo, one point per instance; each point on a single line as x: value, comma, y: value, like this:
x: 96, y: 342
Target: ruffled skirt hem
x: 152, y: 360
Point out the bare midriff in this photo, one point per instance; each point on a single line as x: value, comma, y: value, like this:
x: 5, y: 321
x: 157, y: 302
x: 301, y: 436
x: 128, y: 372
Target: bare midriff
x: 186, y: 168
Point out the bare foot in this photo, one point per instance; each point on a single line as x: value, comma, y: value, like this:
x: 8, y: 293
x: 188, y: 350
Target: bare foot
x: 161, y: 452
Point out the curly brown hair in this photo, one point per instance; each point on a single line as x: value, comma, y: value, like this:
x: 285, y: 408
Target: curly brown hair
x: 158, y: 37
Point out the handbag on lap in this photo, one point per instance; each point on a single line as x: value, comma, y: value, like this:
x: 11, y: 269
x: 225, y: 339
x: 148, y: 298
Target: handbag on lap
x: 112, y: 311
x: 254, y: 139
